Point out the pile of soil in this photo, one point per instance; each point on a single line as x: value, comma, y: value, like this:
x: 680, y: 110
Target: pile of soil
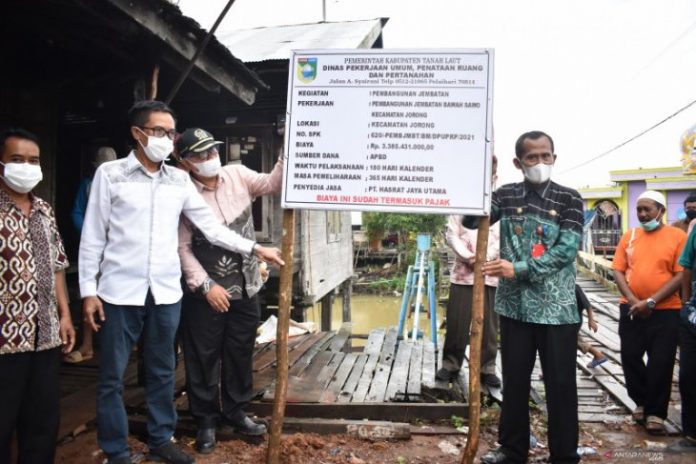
x: 298, y: 448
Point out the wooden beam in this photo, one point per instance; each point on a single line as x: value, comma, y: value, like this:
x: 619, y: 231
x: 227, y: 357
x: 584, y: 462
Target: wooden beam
x: 326, y: 304
x: 399, y: 412
x: 284, y: 303
x: 186, y: 47
x: 347, y: 291
x: 472, y: 440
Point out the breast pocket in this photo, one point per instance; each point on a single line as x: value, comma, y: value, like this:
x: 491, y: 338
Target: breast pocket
x: 517, y: 231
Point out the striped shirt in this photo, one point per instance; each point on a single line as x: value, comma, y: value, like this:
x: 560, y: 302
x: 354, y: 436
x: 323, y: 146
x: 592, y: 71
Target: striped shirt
x: 543, y: 289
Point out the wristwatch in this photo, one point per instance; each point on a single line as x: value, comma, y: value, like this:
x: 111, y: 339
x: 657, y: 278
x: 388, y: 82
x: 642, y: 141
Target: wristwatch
x: 651, y: 303
x: 206, y: 285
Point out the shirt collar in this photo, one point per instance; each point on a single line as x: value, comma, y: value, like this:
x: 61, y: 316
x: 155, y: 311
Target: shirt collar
x: 539, y: 189
x: 37, y: 204
x: 132, y: 164
x: 200, y: 186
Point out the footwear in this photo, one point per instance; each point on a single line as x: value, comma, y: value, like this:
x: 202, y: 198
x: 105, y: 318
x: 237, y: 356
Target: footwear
x: 639, y: 415
x: 596, y: 362
x: 246, y: 426
x: 205, y: 440
x: 685, y: 445
x: 494, y: 457
x: 655, y: 425
x: 168, y: 452
x: 491, y: 380
x: 77, y: 357
x: 444, y: 374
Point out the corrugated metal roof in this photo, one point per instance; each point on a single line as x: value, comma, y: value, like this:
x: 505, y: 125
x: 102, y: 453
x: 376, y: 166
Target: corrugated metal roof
x: 277, y: 43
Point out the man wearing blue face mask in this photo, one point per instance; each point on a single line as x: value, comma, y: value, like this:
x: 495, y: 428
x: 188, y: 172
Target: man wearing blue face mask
x: 540, y: 231
x: 220, y: 312
x: 648, y: 274
x: 34, y: 315
x: 130, y: 275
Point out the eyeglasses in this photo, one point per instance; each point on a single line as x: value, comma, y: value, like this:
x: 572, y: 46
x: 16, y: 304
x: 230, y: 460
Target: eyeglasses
x: 532, y: 159
x: 201, y: 155
x: 158, y: 131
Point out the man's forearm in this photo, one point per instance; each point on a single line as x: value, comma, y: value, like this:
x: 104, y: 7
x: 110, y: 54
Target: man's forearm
x: 62, y: 295
x: 686, y: 284
x: 620, y: 279
x: 669, y: 288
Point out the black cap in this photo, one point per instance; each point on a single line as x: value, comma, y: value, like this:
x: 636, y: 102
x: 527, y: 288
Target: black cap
x: 195, y: 140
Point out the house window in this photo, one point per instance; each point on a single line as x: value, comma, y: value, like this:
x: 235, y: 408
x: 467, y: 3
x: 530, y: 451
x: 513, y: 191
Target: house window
x: 254, y: 150
x: 333, y: 226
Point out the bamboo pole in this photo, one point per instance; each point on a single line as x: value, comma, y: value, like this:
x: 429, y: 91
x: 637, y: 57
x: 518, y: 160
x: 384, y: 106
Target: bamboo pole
x: 475, y: 344
x: 284, y: 304
x: 184, y: 74
x: 153, y: 82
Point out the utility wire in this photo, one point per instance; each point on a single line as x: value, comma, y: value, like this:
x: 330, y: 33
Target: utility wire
x: 667, y: 48
x: 601, y: 155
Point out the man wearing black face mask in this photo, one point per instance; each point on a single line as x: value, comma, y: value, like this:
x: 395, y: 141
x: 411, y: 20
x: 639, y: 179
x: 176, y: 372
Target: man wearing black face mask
x: 690, y: 211
x: 34, y: 315
x: 220, y: 309
x: 648, y: 275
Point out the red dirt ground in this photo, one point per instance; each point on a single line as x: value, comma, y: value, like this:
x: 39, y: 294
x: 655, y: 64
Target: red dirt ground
x: 620, y: 443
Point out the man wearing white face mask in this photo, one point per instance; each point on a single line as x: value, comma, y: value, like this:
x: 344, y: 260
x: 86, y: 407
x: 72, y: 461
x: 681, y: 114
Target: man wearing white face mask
x: 130, y: 275
x: 540, y: 231
x: 220, y: 312
x: 648, y: 274
x: 34, y: 315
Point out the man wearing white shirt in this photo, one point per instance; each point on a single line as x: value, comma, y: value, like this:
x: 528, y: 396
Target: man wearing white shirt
x: 130, y: 275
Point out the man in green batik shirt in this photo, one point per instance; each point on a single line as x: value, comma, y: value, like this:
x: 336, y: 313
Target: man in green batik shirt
x: 540, y: 231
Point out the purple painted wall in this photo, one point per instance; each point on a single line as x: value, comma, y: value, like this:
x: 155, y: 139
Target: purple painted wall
x: 635, y: 188
x: 675, y: 201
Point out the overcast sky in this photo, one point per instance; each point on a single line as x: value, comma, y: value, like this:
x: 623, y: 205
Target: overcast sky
x: 591, y: 73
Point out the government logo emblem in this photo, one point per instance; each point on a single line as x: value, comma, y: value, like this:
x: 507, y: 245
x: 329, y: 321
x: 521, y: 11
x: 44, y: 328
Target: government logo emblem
x: 306, y: 69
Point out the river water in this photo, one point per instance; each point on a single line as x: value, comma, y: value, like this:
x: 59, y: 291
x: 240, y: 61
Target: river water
x: 373, y: 311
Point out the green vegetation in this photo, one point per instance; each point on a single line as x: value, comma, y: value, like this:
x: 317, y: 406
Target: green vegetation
x: 457, y: 421
x: 406, y: 225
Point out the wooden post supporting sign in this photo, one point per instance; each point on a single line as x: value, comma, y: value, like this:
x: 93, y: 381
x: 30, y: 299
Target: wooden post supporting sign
x: 475, y: 343
x: 284, y: 304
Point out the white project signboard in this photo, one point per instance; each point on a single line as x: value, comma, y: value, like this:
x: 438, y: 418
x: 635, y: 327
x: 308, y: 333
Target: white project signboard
x: 389, y: 130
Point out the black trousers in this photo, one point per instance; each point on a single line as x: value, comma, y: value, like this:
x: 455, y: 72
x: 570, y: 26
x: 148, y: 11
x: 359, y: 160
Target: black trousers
x: 649, y: 385
x: 459, y: 309
x: 687, y: 379
x: 556, y: 345
x: 30, y: 405
x: 218, y: 349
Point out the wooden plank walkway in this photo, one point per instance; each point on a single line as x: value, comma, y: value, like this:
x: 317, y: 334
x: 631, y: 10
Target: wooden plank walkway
x: 397, y: 378
x: 328, y: 371
x: 609, y: 376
